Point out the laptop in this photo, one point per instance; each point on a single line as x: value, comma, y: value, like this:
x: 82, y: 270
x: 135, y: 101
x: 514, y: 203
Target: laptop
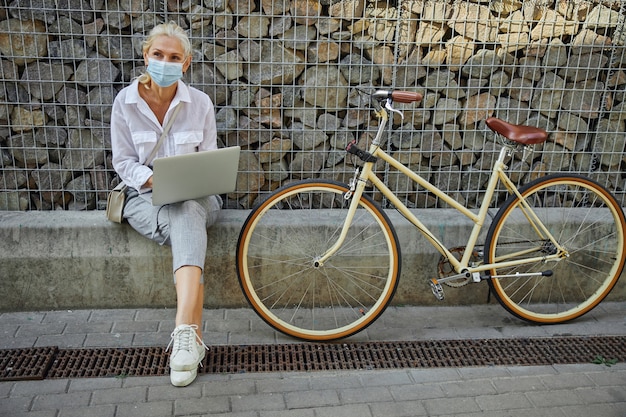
x: 194, y: 175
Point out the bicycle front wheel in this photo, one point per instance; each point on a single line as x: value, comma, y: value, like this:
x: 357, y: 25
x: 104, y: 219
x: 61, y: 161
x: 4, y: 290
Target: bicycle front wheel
x: 586, y: 220
x: 276, y: 261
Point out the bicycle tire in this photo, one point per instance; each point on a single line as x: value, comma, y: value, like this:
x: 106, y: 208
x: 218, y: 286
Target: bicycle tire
x: 279, y: 242
x: 586, y: 219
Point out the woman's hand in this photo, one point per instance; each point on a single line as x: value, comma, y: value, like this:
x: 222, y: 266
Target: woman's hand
x: 148, y: 183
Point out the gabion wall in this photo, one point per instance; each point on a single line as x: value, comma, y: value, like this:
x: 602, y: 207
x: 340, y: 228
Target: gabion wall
x: 290, y: 80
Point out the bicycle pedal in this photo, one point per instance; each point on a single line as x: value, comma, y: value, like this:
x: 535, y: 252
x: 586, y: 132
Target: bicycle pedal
x: 437, y: 289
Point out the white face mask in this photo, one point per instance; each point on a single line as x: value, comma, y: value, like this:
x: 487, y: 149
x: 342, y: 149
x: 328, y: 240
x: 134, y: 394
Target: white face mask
x: 164, y: 73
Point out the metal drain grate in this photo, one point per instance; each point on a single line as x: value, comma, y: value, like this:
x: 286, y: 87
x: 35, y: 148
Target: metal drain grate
x: 39, y: 363
x: 26, y: 364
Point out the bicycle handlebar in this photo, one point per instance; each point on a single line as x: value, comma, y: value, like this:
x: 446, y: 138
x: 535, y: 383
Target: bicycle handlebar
x: 399, y: 96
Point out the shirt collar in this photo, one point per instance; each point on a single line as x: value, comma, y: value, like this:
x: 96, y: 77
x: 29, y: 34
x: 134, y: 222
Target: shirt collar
x: 182, y: 93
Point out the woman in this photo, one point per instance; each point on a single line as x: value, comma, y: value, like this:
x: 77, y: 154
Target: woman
x: 140, y: 112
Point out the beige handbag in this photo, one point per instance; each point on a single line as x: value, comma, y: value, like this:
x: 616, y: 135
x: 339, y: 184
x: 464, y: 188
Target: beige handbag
x: 117, y: 197
x: 115, y: 203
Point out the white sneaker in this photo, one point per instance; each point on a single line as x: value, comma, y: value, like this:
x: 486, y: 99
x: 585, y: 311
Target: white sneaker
x: 184, y: 378
x: 185, y: 354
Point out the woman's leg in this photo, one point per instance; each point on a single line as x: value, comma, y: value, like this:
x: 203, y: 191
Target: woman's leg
x: 189, y: 296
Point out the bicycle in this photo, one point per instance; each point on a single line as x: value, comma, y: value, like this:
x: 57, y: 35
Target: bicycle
x: 320, y: 260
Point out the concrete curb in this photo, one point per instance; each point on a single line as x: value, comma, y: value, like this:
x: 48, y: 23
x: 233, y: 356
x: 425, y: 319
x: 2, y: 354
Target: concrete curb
x: 72, y: 260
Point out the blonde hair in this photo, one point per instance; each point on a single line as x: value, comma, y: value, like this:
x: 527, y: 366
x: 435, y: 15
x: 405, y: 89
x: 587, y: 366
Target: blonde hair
x: 165, y: 29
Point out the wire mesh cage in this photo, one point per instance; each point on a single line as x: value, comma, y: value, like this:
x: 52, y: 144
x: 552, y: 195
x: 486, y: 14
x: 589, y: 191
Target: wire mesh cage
x: 290, y: 80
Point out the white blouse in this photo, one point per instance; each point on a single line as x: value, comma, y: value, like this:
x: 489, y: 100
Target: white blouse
x: 135, y: 131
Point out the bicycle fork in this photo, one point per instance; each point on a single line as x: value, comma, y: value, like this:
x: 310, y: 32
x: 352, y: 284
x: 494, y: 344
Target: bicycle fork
x: 357, y: 186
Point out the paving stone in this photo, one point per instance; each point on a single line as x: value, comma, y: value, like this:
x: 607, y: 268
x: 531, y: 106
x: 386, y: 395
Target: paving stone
x: 399, y: 409
x: 119, y: 395
x: 152, y: 409
x: 258, y: 402
x: 201, y: 406
x: 47, y: 386
x: 353, y: 410
x: 365, y: 395
x: 59, y: 401
x: 321, y: 398
x: 503, y: 402
x: 99, y: 411
x: 283, y: 385
x: 496, y: 391
x: 451, y: 406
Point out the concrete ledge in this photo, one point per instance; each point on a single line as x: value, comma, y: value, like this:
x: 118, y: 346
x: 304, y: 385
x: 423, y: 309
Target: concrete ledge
x: 79, y: 260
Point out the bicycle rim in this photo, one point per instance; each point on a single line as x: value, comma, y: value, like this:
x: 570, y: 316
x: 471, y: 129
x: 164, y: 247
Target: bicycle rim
x: 276, y: 254
x: 585, y: 219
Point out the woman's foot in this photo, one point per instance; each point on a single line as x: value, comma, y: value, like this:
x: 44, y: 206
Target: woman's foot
x: 185, y: 354
x: 184, y: 378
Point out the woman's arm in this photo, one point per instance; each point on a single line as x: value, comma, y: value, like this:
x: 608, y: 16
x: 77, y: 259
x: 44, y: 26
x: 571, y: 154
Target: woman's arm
x: 125, y: 156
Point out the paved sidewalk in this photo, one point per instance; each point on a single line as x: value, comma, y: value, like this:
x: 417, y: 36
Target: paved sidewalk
x: 542, y: 391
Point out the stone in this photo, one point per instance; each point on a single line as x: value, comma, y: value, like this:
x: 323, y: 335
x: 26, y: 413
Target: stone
x: 100, y: 101
x: 43, y: 80
x: 474, y: 21
x: 307, y: 164
x: 430, y: 33
x: 50, y: 180
x: 85, y: 150
x: 477, y: 107
x: 274, y: 7
x: 96, y: 71
x: 279, y: 66
x: 481, y: 64
x: 230, y: 65
x: 384, y: 57
x: 435, y: 11
x: 274, y: 150
x: 446, y: 111
x: 24, y: 41
x: 587, y: 41
x: 549, y: 94
x: 250, y: 177
x: 25, y: 149
x: 24, y: 119
x: 459, y: 49
x: 610, y: 142
x: 514, y: 23
x: 357, y: 69
x: 306, y: 12
x: 552, y: 25
x: 521, y: 89
x: 584, y: 99
x: 117, y: 48
x: 324, y: 87
x: 601, y: 17
x: 13, y: 201
x: 347, y: 9
x: 306, y: 138
x: 255, y: 26
x: 299, y: 37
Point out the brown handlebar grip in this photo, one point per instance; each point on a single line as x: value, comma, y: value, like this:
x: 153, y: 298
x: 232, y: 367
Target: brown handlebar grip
x: 405, y: 96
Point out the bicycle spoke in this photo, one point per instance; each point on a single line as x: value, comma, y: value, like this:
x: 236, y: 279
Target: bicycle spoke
x: 290, y: 290
x: 592, y: 233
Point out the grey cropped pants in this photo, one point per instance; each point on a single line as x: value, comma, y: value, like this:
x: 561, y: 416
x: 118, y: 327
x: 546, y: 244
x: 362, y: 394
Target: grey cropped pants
x: 183, y: 226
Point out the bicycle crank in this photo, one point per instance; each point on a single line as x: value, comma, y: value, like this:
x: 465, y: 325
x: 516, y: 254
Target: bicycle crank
x: 446, y: 270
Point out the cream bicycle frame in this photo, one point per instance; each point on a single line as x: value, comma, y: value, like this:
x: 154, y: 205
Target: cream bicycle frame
x: 461, y: 266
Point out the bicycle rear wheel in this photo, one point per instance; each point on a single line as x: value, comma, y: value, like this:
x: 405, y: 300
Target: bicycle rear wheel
x: 585, y: 219
x: 280, y: 242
